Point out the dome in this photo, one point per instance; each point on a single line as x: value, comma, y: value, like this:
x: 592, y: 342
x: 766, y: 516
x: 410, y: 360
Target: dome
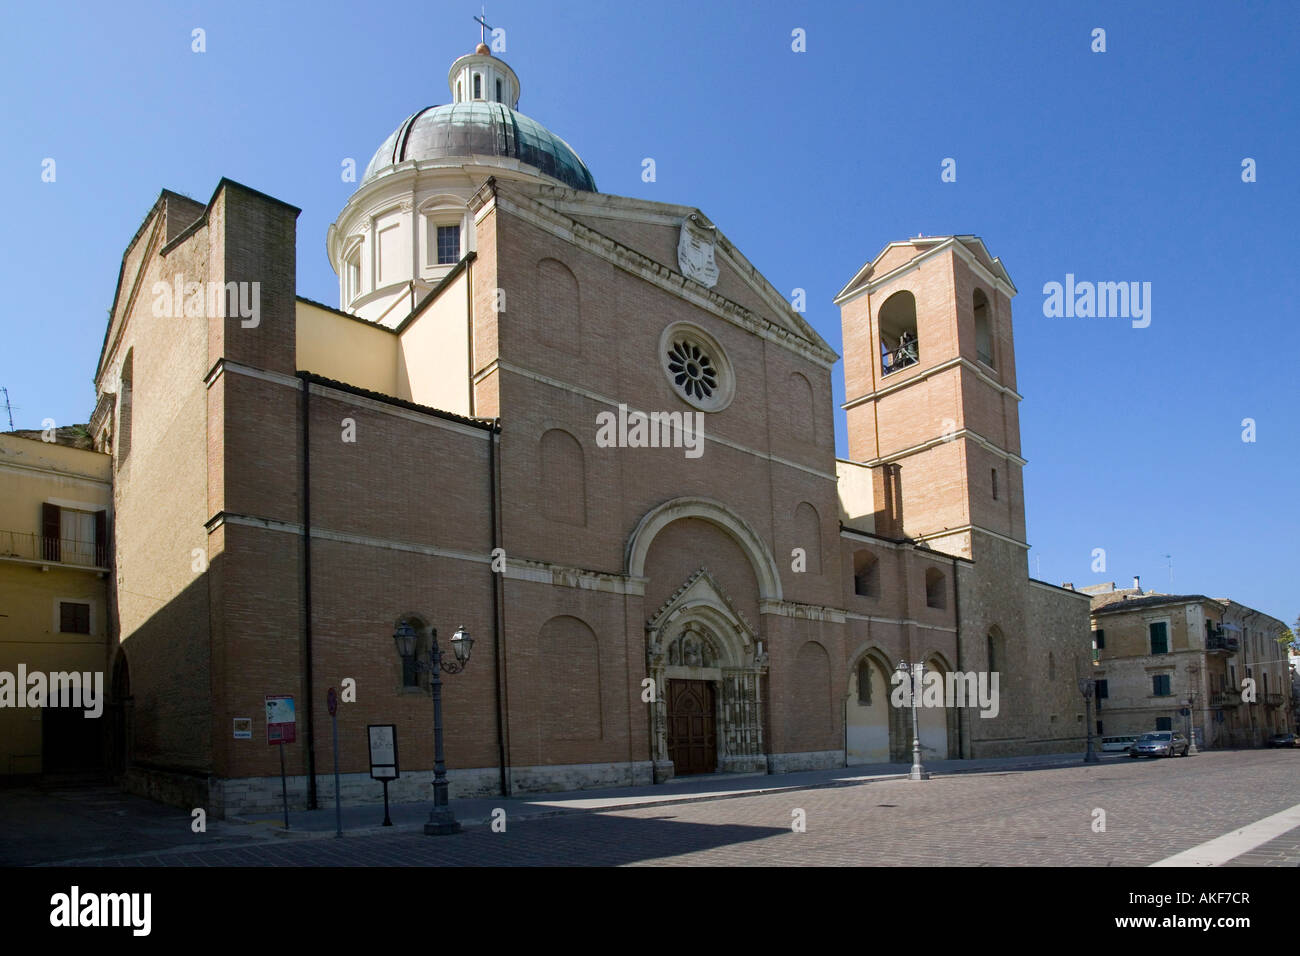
x: 483, y: 129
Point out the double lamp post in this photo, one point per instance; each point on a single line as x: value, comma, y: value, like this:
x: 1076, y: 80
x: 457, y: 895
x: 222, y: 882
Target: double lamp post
x: 441, y: 820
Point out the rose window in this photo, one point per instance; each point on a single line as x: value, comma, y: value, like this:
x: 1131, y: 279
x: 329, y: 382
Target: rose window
x: 692, y: 370
x: 696, y: 367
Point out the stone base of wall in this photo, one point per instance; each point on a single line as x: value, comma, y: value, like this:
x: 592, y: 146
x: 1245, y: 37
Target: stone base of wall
x: 582, y: 776
x: 747, y: 763
x: 1019, y: 747
x: 262, y: 794
x: 808, y: 760
x: 246, y: 795
x: 176, y: 788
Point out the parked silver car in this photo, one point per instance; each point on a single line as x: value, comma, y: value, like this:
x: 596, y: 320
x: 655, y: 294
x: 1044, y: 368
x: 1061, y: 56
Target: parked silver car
x: 1160, y: 743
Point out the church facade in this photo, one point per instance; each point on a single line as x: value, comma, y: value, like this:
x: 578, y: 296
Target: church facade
x: 585, y: 428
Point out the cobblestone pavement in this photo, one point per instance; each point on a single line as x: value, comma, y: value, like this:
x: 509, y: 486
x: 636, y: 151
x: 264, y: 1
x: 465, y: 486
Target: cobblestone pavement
x: 1153, y: 809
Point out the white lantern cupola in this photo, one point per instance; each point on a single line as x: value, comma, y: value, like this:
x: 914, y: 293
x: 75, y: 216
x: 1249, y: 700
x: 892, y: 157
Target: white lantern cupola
x: 481, y: 77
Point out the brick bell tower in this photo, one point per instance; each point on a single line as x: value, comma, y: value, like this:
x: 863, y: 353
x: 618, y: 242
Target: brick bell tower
x: 930, y: 382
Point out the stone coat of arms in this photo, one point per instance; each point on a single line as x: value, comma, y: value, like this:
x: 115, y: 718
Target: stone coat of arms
x: 695, y: 251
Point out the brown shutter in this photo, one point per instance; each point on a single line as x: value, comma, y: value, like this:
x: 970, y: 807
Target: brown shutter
x: 101, y: 539
x: 51, y: 528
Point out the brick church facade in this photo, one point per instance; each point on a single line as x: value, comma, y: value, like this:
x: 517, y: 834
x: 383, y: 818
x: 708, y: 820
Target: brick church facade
x: 291, y: 480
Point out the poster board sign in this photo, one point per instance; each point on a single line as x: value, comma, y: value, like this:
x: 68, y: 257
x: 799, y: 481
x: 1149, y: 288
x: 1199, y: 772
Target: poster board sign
x: 281, y: 725
x: 243, y: 728
x: 383, y: 751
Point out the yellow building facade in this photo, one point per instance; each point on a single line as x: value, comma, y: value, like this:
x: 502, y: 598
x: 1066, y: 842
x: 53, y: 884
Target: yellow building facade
x: 55, y: 503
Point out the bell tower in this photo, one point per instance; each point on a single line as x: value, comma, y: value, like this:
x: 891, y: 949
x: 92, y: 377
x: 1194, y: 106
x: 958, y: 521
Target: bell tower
x: 931, y: 400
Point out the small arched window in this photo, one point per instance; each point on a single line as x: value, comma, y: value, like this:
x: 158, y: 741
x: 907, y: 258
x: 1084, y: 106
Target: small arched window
x: 983, y: 329
x: 352, y: 276
x: 866, y: 574
x: 125, y: 400
x: 898, y: 344
x: 994, y: 649
x: 478, y: 86
x: 936, y: 594
x: 500, y: 98
x: 864, y: 683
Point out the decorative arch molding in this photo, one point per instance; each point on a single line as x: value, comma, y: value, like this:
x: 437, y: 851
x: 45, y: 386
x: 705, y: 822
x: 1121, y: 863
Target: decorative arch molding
x: 441, y: 202
x: 934, y: 655
x: 873, y: 653
x: 717, y: 514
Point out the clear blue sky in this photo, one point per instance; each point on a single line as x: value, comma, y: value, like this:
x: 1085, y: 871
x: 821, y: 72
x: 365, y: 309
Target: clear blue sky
x: 1115, y: 166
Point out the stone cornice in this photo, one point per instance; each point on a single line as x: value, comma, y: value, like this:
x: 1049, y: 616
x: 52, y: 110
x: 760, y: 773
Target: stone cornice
x: 807, y: 612
x: 935, y: 370
x: 943, y: 440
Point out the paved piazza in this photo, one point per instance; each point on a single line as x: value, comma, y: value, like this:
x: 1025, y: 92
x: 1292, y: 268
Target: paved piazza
x: 1154, y: 809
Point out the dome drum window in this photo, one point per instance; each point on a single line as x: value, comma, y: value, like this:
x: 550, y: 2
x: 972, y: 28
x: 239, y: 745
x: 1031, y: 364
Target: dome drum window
x: 696, y: 367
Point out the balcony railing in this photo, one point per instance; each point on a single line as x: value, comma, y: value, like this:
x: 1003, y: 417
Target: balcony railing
x: 900, y: 357
x: 1225, y: 698
x: 1273, y: 700
x: 29, y: 546
x: 1220, y: 640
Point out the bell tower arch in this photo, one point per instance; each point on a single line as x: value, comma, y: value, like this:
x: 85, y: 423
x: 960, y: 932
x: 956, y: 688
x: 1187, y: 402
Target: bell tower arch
x: 930, y: 381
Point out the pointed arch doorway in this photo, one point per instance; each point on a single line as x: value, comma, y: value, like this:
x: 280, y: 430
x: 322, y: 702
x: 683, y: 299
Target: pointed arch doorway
x: 708, y: 668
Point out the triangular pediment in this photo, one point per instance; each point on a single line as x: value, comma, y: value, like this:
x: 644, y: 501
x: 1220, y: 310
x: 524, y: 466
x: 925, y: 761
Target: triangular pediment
x: 651, y: 231
x: 701, y: 589
x: 899, y: 255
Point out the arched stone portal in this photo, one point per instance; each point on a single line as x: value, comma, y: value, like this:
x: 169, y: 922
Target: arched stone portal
x: 704, y: 656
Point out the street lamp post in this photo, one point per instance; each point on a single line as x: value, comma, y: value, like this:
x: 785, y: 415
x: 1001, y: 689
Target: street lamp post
x: 1193, y: 675
x: 914, y: 675
x: 441, y: 819
x: 1088, y: 687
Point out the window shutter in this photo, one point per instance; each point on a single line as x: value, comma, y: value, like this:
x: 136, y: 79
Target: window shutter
x: 101, y: 539
x: 51, y: 528
x: 74, y: 618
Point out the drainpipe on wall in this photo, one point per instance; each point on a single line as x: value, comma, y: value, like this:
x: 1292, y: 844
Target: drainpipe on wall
x: 306, y: 590
x: 498, y: 625
x: 964, y: 716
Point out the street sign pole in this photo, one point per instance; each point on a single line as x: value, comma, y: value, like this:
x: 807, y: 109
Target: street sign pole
x: 281, y: 729
x: 383, y: 758
x: 332, y: 701
x: 284, y: 788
